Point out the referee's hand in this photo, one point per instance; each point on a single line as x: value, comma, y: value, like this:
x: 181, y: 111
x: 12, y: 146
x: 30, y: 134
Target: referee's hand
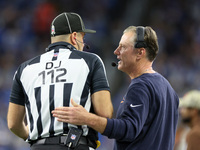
x: 74, y: 115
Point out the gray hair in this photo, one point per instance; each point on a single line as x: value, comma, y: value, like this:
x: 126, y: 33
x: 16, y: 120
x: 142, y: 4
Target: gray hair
x: 150, y: 38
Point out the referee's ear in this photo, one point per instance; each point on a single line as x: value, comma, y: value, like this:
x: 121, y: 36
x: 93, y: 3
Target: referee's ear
x: 74, y: 103
x: 73, y: 38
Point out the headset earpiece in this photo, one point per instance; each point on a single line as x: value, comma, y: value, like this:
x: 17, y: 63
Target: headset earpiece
x: 140, y: 31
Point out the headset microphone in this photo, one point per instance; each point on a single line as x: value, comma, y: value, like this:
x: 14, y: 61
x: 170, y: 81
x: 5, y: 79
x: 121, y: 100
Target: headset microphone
x: 114, y: 64
x: 140, y: 42
x: 86, y: 45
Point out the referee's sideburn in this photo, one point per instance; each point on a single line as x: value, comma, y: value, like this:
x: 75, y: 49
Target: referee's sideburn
x: 63, y: 72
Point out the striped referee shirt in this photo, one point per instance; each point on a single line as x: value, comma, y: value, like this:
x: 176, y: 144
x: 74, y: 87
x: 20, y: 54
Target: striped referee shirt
x: 51, y: 80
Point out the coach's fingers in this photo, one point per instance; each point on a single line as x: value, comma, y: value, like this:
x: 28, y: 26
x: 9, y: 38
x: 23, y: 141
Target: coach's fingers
x: 63, y: 120
x: 64, y: 108
x: 61, y: 111
x: 74, y: 103
x: 59, y: 115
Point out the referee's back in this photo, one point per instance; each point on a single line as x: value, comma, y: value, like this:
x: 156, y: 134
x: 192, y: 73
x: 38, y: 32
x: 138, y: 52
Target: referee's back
x: 50, y: 80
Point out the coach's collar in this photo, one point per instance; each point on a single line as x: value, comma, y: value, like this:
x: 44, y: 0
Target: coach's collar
x: 60, y: 44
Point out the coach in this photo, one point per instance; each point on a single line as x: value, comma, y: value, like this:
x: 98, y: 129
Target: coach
x: 148, y: 114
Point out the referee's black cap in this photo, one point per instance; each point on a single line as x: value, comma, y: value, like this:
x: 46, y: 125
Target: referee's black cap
x: 67, y: 23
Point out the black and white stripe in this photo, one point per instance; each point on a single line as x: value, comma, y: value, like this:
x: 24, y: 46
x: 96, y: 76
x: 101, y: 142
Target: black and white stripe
x: 50, y: 81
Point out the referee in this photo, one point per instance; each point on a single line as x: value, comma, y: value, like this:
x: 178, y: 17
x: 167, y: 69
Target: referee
x: 50, y: 80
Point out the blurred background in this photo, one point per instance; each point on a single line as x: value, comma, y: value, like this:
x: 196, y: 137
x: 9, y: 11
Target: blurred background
x: 25, y: 33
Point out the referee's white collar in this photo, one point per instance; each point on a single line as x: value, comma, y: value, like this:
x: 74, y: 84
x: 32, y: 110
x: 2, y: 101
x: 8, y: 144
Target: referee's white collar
x: 62, y: 44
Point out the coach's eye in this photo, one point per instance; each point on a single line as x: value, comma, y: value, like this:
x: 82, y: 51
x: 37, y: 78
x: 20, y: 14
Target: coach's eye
x: 123, y: 47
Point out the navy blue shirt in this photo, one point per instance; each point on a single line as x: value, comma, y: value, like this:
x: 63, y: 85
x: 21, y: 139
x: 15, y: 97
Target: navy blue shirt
x: 147, y: 117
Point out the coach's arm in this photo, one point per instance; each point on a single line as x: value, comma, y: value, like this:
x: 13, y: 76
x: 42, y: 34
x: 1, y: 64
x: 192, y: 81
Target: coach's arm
x: 15, y: 120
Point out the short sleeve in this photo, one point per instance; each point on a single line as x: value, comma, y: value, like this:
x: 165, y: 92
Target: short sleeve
x: 17, y: 93
x: 99, y: 79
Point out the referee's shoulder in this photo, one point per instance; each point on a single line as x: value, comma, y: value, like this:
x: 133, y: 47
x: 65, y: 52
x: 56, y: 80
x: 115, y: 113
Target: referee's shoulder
x: 31, y: 61
x: 87, y: 55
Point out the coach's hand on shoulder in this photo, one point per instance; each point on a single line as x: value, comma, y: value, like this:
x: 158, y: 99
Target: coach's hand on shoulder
x: 74, y: 115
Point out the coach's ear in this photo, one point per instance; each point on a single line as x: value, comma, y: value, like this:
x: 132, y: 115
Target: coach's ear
x: 141, y: 52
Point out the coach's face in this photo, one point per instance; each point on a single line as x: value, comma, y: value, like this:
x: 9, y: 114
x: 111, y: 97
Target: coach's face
x: 125, y: 53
